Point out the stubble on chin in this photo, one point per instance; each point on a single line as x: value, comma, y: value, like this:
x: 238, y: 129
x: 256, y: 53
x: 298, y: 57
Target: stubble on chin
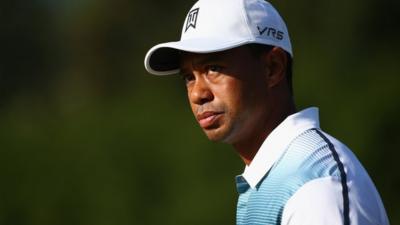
x: 222, y: 134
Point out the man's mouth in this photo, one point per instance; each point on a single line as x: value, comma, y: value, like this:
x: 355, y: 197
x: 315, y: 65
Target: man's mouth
x: 208, y: 119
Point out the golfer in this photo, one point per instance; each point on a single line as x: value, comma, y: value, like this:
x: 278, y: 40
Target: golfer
x: 236, y: 59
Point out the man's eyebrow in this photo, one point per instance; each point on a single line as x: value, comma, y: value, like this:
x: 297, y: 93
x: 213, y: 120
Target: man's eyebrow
x: 207, y: 59
x: 195, y: 62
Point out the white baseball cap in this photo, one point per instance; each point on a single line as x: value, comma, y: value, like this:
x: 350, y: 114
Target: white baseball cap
x: 218, y: 25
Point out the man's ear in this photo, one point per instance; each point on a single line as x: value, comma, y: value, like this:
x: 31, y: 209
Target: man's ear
x: 275, y: 62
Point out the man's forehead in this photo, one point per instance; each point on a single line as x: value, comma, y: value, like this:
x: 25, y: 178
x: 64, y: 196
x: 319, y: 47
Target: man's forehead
x: 204, y: 58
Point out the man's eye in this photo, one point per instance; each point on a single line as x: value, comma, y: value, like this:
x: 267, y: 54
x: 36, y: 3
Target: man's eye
x: 187, y: 77
x: 214, y: 68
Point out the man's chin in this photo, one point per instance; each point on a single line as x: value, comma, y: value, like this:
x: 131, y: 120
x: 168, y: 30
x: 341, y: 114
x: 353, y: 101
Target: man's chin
x: 217, y: 135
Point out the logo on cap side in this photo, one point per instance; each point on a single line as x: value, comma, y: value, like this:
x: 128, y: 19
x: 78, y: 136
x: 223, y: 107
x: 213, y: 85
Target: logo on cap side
x: 192, y: 18
x: 271, y: 32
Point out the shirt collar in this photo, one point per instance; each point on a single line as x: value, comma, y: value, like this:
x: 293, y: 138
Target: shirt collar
x: 277, y: 141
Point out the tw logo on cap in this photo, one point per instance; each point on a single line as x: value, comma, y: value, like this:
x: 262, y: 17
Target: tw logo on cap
x: 192, y: 18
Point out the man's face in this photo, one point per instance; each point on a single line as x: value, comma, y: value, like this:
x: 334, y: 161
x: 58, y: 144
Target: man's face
x: 227, y: 92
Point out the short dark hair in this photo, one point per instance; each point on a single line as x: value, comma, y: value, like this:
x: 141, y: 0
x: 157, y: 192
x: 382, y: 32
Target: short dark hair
x: 258, y: 49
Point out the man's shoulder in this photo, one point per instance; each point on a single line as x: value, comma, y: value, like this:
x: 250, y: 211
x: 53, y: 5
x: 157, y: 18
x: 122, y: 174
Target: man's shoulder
x: 353, y: 167
x: 318, y: 201
x: 342, y: 183
x: 320, y: 151
x: 315, y: 144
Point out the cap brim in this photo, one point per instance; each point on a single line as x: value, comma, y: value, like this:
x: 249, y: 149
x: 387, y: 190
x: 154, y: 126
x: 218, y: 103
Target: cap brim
x: 164, y: 59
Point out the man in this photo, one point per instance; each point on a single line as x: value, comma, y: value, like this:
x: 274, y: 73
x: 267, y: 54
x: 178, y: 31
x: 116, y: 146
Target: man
x: 235, y: 57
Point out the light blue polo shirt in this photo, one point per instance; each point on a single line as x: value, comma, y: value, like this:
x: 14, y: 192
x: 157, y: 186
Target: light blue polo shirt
x: 303, y: 176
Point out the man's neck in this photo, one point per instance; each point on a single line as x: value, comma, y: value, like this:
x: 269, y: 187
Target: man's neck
x: 247, y: 149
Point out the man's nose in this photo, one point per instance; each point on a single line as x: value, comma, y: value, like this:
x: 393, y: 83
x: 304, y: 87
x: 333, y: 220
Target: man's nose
x: 200, y: 93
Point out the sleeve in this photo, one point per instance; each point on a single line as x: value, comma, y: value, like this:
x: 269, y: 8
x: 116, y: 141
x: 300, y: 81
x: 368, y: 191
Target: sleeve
x: 317, y: 202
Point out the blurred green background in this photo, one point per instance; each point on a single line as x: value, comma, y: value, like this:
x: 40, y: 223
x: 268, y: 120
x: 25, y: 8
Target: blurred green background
x: 88, y: 137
